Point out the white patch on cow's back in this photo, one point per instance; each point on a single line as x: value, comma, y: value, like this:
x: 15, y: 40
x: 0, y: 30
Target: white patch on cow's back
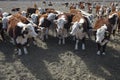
x: 20, y: 24
x: 81, y: 20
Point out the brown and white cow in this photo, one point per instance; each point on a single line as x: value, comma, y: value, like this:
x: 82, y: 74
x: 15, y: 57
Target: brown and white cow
x: 20, y: 31
x: 63, y: 23
x: 114, y: 19
x: 80, y: 29
x: 103, y: 30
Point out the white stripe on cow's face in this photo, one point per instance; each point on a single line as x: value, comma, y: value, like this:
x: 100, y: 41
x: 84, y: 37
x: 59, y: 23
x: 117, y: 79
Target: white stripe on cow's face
x: 100, y: 34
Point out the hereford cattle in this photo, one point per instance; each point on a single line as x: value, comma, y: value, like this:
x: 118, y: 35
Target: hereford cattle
x: 82, y: 5
x: 80, y: 29
x: 63, y: 23
x: 44, y: 25
x: 114, y: 19
x: 20, y: 32
x: 34, y: 18
x: 103, y: 30
x: 97, y: 8
x: 30, y: 11
x: 4, y: 26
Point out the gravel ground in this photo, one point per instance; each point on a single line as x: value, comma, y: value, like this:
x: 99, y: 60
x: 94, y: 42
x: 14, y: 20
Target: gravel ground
x: 50, y: 61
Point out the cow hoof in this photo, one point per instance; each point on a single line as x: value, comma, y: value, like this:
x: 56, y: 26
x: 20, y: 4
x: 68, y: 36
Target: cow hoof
x: 34, y: 43
x: 19, y: 54
x: 26, y: 53
x: 103, y: 53
x: 28, y: 45
x: 98, y: 53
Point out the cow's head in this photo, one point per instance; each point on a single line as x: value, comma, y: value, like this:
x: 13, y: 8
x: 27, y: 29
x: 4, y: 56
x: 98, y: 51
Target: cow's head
x: 77, y: 27
x: 29, y: 31
x: 60, y: 24
x: 101, y: 33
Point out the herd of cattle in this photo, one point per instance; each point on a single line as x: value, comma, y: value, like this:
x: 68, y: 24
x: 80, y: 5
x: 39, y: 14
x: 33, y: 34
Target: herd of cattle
x: 36, y: 22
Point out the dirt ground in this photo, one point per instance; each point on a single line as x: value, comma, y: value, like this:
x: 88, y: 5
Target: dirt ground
x: 50, y: 61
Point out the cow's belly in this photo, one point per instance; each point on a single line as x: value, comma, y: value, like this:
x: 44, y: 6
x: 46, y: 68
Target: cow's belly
x: 21, y: 40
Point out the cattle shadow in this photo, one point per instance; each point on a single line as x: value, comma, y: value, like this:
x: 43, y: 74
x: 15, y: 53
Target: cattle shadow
x: 33, y: 61
x: 105, y: 66
x: 47, y: 51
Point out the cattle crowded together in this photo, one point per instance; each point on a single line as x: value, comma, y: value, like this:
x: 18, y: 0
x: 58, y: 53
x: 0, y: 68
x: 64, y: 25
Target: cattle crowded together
x: 23, y: 26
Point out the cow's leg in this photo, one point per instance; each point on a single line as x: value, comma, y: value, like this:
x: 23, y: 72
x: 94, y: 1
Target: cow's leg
x: 76, y: 44
x: 2, y: 34
x: 25, y: 50
x: 19, y: 51
x: 34, y: 41
x: 63, y: 40
x: 59, y: 42
x: 46, y: 33
x: 74, y: 38
x: 99, y: 47
x: 42, y: 36
x: 83, y: 44
x: 104, y: 48
x: 113, y: 34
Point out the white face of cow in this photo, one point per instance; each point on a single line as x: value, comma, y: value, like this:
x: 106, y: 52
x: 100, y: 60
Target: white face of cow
x: 34, y: 17
x: 51, y: 16
x: 60, y: 24
x: 100, y: 34
x: 30, y: 30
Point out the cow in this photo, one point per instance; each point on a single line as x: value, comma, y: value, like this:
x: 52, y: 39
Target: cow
x: 80, y: 29
x: 30, y: 11
x: 107, y: 11
x: 44, y: 25
x: 63, y: 23
x: 103, y: 31
x: 114, y: 19
x: 20, y: 32
x: 82, y: 5
x: 4, y: 20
